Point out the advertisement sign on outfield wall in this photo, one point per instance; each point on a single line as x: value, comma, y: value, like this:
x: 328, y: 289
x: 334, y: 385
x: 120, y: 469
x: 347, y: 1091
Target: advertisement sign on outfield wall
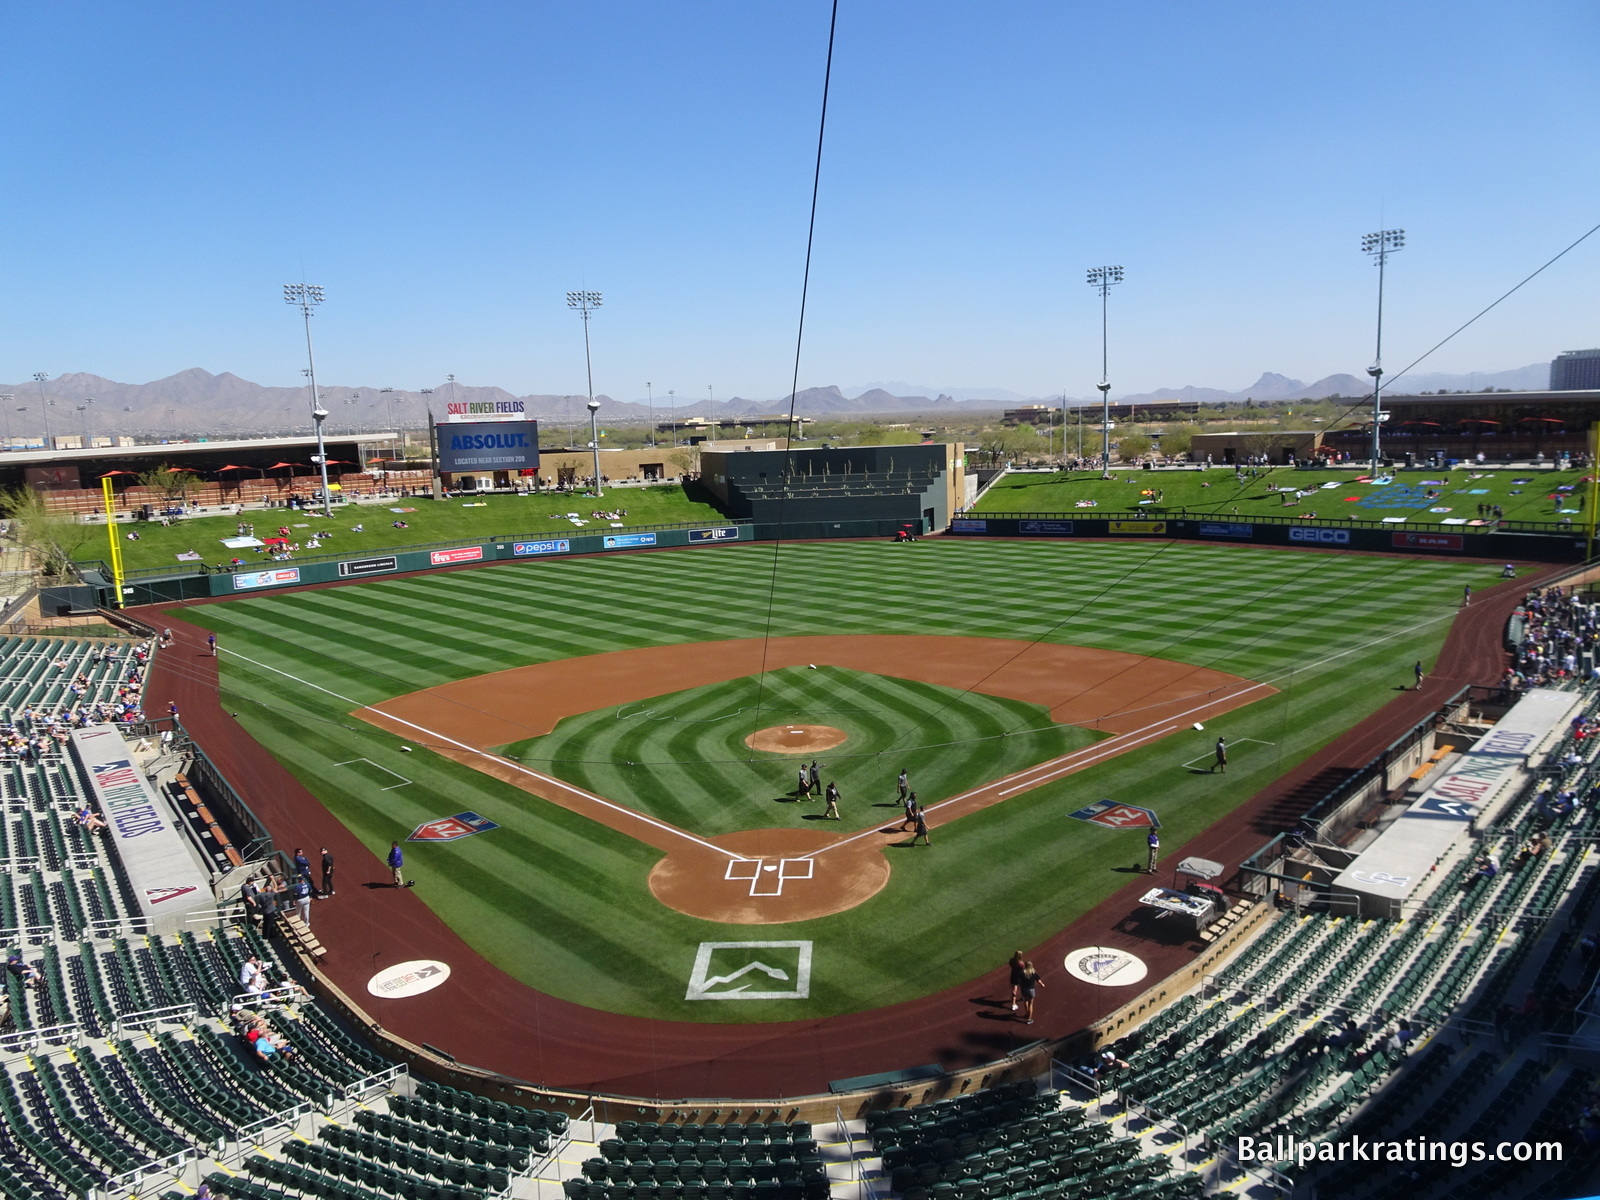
x: 1228, y: 529
x: 463, y: 554
x: 1044, y: 526
x: 624, y: 541
x: 725, y: 533
x: 968, y: 525
x: 1429, y: 541
x: 1157, y: 527
x: 256, y: 579
x: 555, y: 546
x: 1319, y: 536
x: 356, y: 567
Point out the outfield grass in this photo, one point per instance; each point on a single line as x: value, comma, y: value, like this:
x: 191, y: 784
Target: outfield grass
x: 1525, y: 495
x: 455, y: 519
x: 563, y: 903
x: 682, y: 757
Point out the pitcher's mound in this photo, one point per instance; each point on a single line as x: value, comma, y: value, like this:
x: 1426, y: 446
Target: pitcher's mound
x: 796, y: 739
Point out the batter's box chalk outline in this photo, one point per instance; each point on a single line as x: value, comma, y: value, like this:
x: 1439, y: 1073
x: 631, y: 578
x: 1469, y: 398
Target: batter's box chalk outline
x: 793, y: 966
x: 1210, y: 756
x: 758, y: 871
x: 403, y: 780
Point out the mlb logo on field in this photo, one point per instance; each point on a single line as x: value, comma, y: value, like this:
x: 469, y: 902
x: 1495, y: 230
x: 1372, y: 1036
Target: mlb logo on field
x: 448, y: 829
x: 1118, y: 816
x: 751, y: 971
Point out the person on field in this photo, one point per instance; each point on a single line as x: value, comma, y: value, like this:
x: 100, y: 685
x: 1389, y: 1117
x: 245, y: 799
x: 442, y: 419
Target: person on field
x: 815, y: 778
x: 1015, y: 966
x: 904, y: 784
x: 910, y: 802
x: 1418, y: 671
x: 327, y: 872
x: 922, y: 828
x: 1029, y: 988
x: 1154, y: 842
x: 832, y: 814
x: 1222, y: 757
x: 397, y: 862
x: 802, y: 790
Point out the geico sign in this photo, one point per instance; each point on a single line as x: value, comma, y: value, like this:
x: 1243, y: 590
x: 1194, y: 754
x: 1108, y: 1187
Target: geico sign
x: 1326, y: 537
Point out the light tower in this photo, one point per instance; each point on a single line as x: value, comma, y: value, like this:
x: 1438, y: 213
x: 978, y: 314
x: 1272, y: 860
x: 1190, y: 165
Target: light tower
x: 650, y: 399
x: 594, y: 444
x: 1380, y: 245
x: 44, y: 406
x: 306, y: 297
x: 584, y: 302
x: 1103, y: 279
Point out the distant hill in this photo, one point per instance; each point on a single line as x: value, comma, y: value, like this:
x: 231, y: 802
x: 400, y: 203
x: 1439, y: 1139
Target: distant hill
x: 227, y: 406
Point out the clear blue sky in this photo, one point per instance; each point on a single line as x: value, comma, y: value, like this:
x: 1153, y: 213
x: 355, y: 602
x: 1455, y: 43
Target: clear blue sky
x: 449, y: 171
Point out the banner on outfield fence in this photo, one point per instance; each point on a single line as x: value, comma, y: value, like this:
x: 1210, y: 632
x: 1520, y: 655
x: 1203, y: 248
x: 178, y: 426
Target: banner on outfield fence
x: 725, y: 533
x: 1429, y: 541
x: 624, y: 541
x: 367, y: 566
x: 255, y: 579
x: 440, y: 558
x: 1156, y: 527
x: 488, y: 446
x: 555, y: 546
x: 1044, y: 526
x: 968, y: 525
x: 1317, y: 535
x: 1228, y: 529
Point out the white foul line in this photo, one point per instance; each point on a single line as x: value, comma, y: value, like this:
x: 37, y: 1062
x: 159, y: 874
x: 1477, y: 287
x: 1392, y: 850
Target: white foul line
x: 1059, y: 766
x: 515, y: 766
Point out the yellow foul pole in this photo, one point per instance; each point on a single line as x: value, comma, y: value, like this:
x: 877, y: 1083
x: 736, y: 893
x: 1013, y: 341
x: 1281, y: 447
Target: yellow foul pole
x: 111, y: 533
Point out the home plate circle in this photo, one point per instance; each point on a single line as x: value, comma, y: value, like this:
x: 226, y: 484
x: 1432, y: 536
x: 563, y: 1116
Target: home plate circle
x: 408, y: 978
x: 1106, y: 967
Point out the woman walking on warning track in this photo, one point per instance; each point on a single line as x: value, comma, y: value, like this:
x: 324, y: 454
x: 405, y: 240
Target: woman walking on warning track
x: 1029, y: 987
x: 1016, y: 965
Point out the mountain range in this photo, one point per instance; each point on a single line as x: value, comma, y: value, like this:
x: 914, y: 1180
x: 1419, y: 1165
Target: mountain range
x: 197, y: 401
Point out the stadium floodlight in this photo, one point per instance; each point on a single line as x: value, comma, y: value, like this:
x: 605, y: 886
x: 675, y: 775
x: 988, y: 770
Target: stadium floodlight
x: 584, y: 303
x: 44, y: 406
x: 594, y: 443
x: 7, y: 399
x: 306, y: 297
x: 1380, y: 245
x: 650, y: 399
x: 1103, y: 279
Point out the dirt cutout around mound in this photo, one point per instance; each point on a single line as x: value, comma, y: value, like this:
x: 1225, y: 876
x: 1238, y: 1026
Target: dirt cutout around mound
x: 760, y: 876
x: 796, y: 739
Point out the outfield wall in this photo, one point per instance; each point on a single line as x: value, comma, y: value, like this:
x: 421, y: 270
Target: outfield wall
x: 1327, y: 535
x: 268, y: 576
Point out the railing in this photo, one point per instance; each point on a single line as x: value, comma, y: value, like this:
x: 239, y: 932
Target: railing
x: 281, y: 994
x: 112, y: 927
x: 384, y: 1081
x: 172, y: 1013
x: 863, y: 1181
x: 50, y: 1035
x: 564, y: 529
x: 246, y: 1137
x: 28, y: 863
x: 131, y: 1182
x: 28, y: 933
x: 1184, y: 513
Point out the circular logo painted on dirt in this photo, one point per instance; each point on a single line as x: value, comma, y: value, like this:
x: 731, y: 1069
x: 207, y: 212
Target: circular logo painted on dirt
x: 1106, y: 967
x: 408, y: 979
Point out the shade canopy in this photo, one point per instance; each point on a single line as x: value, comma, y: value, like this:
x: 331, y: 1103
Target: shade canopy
x: 1200, y: 868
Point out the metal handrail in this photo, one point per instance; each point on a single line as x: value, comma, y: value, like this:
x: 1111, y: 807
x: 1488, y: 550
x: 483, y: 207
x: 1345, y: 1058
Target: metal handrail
x: 1188, y: 514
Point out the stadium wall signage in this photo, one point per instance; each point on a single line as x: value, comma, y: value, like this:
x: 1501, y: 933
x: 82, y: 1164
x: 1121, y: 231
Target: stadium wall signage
x: 440, y: 558
x: 1044, y: 526
x: 624, y: 541
x: 488, y: 446
x: 725, y: 533
x: 368, y: 566
x: 256, y: 579
x: 1429, y: 541
x: 486, y: 410
x: 1227, y: 529
x: 1319, y: 536
x: 969, y: 525
x: 1155, y: 527
x: 556, y: 546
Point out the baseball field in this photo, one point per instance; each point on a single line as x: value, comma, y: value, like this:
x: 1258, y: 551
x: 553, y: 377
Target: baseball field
x: 633, y: 727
